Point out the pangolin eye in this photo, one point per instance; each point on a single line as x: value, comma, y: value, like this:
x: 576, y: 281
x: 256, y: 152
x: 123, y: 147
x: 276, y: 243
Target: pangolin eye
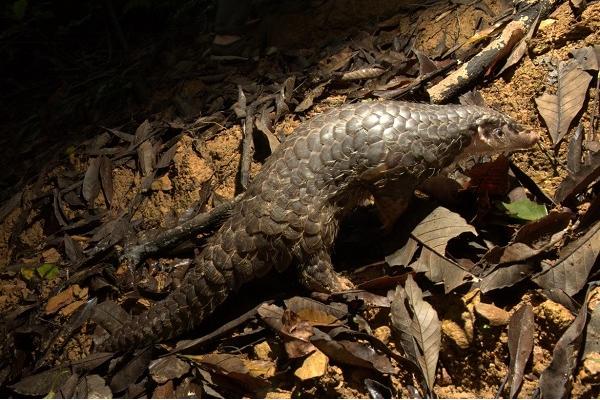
x: 499, y: 132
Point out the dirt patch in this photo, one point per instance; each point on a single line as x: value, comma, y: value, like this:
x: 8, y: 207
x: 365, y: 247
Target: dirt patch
x: 474, y: 356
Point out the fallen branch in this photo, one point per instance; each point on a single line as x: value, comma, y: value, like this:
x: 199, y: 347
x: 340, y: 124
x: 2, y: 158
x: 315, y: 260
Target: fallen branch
x: 463, y: 78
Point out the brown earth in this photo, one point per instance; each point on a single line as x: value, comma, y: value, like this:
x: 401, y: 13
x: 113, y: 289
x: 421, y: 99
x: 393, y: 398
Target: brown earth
x: 474, y: 358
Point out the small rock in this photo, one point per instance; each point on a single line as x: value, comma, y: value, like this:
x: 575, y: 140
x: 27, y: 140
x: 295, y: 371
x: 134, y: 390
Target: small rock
x: 546, y: 23
x: 495, y: 315
x: 163, y: 184
x: 540, y: 360
x: 591, y: 366
x: 456, y: 334
x: 279, y: 394
x: 555, y: 314
x: 383, y: 333
x: 263, y: 351
x: 313, y: 366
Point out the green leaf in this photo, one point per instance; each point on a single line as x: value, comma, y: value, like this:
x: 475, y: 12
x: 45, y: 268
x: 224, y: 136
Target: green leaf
x: 27, y: 273
x: 526, y: 209
x: 47, y: 271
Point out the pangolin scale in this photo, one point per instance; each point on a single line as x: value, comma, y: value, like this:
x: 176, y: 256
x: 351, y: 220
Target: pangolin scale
x: 290, y: 212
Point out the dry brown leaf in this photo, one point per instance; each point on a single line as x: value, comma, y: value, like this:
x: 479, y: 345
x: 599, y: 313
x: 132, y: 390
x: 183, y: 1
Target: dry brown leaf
x: 423, y: 326
x: 91, y: 181
x: 559, y: 110
x: 554, y: 380
x: 570, y: 272
x: 520, y: 345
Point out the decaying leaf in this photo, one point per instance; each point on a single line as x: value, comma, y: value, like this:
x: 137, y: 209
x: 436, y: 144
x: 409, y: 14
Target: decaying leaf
x: 352, y: 353
x: 571, y: 270
x: 42, y: 383
x: 588, y: 57
x: 146, y: 157
x: 336, y: 61
x: 575, y: 150
x: 315, y: 312
x: 310, y: 97
x: 434, y: 232
x: 559, y: 110
x: 91, y: 181
x: 362, y: 73
x: 592, y: 330
x: 575, y: 184
x: 439, y: 227
x: 251, y: 373
x: 490, y: 177
x: 520, y: 345
x: 440, y: 269
x: 424, y: 327
x: 167, y: 368
x: 505, y: 276
x: 404, y: 255
x: 132, y: 371
x: 105, y: 170
x: 554, y: 380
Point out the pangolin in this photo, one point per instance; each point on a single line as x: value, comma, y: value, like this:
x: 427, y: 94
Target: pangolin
x: 290, y: 213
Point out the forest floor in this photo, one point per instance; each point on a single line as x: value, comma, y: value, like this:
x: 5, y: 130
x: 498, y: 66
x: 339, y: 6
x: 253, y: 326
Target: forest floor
x: 62, y: 238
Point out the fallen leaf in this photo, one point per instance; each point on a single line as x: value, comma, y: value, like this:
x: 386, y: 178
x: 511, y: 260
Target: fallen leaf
x: 559, y: 110
x: 93, y: 387
x: 146, y: 158
x: 310, y: 97
x: 251, y: 373
x: 505, y: 276
x: 423, y: 326
x: 132, y: 371
x: 106, y: 181
x: 42, y: 383
x: 315, y: 312
x: 47, y: 271
x: 440, y: 269
x: 91, y: 181
x: 362, y: 73
x: 526, y: 210
x: 554, y: 379
x: 520, y: 345
x: 588, y: 57
x: 143, y: 132
x: 441, y: 225
x: 571, y: 270
x: 572, y: 185
x: 352, y: 353
x: 490, y: 177
x: 377, y: 390
x: 167, y: 368
x: 575, y: 150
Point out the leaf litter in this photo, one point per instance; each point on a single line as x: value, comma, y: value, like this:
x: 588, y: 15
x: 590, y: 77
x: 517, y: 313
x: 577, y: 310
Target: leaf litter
x: 314, y: 341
